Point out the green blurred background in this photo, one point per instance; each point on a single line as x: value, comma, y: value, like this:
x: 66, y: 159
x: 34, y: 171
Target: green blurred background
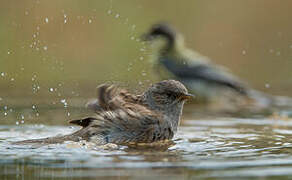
x: 64, y: 49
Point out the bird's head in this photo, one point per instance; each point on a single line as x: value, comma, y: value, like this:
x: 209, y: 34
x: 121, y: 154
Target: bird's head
x: 164, y: 38
x: 160, y: 30
x: 167, y: 95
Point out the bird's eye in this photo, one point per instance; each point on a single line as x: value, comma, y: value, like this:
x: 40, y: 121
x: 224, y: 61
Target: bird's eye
x: 170, y: 95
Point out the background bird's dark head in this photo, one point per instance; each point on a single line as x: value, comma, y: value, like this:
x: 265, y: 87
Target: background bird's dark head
x: 161, y: 30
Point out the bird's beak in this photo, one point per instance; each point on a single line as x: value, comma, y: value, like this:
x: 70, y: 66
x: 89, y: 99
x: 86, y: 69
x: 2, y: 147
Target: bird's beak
x: 187, y: 96
x: 146, y: 37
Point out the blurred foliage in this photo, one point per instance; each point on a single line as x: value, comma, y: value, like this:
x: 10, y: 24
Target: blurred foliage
x: 72, y: 46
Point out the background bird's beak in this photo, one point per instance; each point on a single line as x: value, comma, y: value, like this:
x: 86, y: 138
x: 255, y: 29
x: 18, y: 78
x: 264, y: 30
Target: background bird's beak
x: 187, y: 96
x: 146, y: 37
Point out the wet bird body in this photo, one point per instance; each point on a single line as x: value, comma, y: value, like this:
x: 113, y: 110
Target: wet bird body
x: 172, y: 59
x: 125, y: 118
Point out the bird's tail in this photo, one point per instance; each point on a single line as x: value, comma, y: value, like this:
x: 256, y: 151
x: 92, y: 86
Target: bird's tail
x: 76, y: 136
x: 270, y: 102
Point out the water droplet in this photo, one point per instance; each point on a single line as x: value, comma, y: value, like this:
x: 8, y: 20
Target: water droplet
x: 117, y: 15
x: 51, y: 89
x: 64, y: 102
x: 17, y: 123
x: 5, y: 107
x: 33, y: 107
x: 37, y: 114
x: 5, y: 113
x: 12, y: 79
x: 8, y: 52
x: 45, y: 48
x: 89, y: 21
x: 243, y: 52
x: 22, y: 116
x: 267, y: 85
x: 65, y: 15
x: 47, y: 20
x: 109, y: 12
x: 65, y: 21
x: 68, y: 114
x: 2, y: 74
x: 22, y: 121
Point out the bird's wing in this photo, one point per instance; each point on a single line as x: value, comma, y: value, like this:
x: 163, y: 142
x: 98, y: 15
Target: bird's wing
x: 105, y: 95
x: 110, y: 97
x: 204, y: 71
x: 126, y: 125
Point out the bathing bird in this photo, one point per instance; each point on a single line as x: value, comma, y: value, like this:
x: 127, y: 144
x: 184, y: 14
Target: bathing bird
x: 172, y: 59
x: 122, y: 117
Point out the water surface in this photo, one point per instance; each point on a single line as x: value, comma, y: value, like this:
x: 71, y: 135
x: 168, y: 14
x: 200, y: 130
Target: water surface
x: 212, y: 148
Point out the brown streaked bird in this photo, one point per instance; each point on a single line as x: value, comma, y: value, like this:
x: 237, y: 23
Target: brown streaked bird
x: 172, y: 59
x: 150, y: 117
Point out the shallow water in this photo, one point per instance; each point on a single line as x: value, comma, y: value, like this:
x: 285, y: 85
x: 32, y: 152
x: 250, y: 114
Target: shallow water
x: 205, y: 148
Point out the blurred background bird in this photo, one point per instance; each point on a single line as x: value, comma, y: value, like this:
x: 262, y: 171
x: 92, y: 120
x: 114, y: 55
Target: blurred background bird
x: 211, y: 83
x: 123, y: 118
